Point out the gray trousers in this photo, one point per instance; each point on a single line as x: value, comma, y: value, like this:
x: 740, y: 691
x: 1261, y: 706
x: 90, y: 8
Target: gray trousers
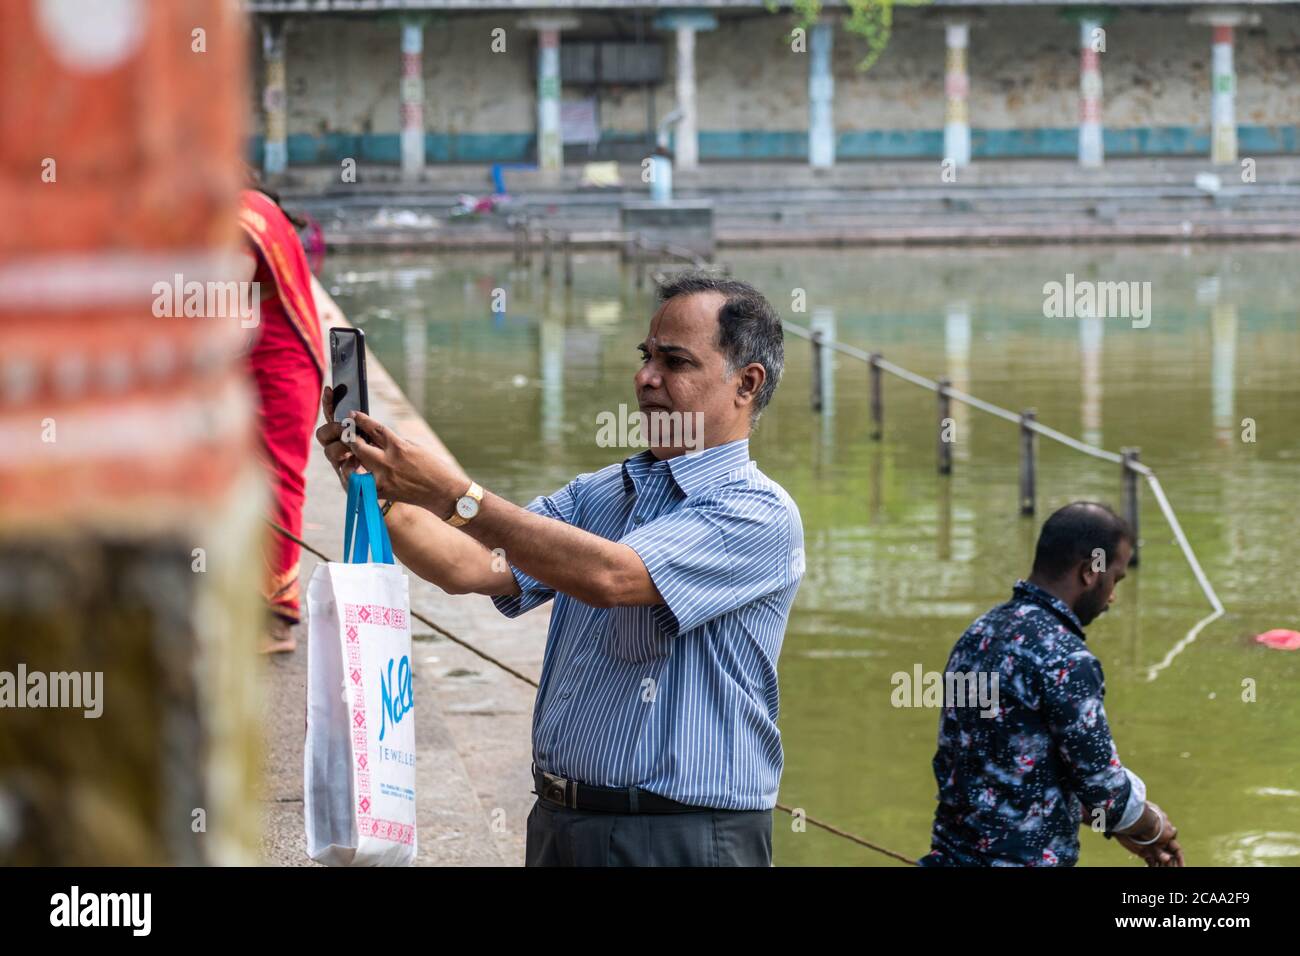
x: 559, y: 836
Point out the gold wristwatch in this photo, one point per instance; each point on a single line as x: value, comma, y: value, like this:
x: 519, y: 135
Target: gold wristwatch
x: 467, y: 506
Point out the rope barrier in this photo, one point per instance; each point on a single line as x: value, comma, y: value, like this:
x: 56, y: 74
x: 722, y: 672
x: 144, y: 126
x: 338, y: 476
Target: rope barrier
x: 1154, y: 671
x: 441, y: 631
x: 844, y: 834
x: 1070, y: 442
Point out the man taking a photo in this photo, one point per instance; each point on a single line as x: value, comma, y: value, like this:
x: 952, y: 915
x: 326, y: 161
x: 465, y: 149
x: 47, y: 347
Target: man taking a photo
x: 672, y: 572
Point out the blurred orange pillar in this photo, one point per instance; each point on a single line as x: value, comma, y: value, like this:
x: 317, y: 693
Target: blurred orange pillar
x: 129, y: 494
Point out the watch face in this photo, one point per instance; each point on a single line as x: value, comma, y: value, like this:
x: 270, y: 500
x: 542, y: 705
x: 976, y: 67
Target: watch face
x: 467, y: 507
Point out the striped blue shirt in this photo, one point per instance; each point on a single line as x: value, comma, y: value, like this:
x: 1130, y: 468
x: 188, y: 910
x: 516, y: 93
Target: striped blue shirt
x: 680, y: 698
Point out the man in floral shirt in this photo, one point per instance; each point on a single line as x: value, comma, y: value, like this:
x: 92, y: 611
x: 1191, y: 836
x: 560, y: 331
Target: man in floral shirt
x: 1016, y: 779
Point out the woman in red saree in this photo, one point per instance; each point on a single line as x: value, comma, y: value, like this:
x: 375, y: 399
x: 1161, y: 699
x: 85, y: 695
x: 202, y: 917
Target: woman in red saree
x: 287, y: 363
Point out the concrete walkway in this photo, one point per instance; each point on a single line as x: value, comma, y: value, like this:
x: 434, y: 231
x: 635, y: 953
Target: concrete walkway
x: 473, y: 721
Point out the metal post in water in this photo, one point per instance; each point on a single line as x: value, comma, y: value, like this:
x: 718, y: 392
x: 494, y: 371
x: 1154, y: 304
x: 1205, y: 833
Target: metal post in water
x: 945, y: 418
x: 817, y: 385
x: 640, y: 250
x: 568, y: 258
x: 1129, y: 495
x: 546, y: 253
x: 1028, y: 448
x: 877, y: 398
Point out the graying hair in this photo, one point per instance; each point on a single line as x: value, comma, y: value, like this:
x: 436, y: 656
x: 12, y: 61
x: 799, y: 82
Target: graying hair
x: 749, y: 329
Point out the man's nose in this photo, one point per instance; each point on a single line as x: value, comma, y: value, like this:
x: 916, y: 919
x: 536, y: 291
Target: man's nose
x: 646, y: 376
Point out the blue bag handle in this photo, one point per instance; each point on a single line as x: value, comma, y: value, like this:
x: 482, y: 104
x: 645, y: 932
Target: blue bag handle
x: 363, y: 516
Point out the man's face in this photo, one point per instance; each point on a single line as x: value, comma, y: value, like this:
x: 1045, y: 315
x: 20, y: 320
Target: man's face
x: 1094, y: 601
x: 682, y: 387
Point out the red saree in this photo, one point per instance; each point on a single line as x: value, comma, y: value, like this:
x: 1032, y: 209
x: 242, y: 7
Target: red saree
x: 287, y: 362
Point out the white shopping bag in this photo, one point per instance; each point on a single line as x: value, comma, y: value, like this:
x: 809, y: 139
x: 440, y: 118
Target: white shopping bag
x: 359, y: 761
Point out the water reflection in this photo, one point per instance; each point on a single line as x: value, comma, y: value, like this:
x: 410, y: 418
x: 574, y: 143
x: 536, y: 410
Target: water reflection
x: 956, y: 340
x: 944, y: 550
x: 1259, y: 849
x: 415, y: 345
x: 823, y: 321
x: 550, y: 353
x: 1223, y: 328
x: 1091, y: 330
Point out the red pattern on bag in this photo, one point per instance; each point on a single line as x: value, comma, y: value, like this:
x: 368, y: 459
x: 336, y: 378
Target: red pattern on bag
x: 374, y: 614
x: 378, y: 614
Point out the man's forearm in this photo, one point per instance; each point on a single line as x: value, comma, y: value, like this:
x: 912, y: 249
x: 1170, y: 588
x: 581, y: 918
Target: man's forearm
x: 440, y: 553
x: 595, y: 570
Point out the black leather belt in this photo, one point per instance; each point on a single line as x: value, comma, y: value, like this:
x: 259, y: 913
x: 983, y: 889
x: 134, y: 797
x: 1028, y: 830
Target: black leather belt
x: 580, y: 796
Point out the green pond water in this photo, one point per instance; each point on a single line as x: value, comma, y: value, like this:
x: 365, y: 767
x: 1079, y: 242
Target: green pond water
x: 900, y: 559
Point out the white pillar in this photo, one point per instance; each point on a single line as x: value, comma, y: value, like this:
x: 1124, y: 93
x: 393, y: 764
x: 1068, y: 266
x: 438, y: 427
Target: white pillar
x: 686, y: 137
x: 956, y: 86
x: 1223, y: 96
x: 550, y: 144
x: 412, y: 98
x: 821, y: 96
x: 1091, y: 151
x: 1223, y: 79
x: 275, y: 141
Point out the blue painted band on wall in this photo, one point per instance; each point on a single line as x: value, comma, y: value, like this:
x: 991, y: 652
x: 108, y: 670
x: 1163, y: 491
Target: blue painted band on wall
x: 308, y: 150
x: 331, y: 148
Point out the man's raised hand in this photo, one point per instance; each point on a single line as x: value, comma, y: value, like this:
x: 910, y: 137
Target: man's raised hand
x: 330, y: 436
x: 403, y: 470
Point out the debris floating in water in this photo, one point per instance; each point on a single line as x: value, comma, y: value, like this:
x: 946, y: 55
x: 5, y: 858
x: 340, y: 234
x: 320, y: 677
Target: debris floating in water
x: 1279, y: 639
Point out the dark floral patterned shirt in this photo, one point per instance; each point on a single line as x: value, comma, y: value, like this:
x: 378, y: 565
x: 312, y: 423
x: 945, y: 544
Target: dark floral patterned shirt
x: 1013, y: 786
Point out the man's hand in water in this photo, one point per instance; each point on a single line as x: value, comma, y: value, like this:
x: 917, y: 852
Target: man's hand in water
x: 1164, y: 851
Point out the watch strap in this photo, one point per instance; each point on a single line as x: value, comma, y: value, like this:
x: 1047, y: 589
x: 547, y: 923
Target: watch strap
x: 476, y: 492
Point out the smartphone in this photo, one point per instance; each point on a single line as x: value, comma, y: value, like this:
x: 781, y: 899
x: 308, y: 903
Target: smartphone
x: 348, y: 372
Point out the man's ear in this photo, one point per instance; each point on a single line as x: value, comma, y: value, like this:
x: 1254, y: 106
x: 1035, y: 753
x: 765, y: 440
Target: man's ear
x: 1087, y: 576
x: 752, y: 377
